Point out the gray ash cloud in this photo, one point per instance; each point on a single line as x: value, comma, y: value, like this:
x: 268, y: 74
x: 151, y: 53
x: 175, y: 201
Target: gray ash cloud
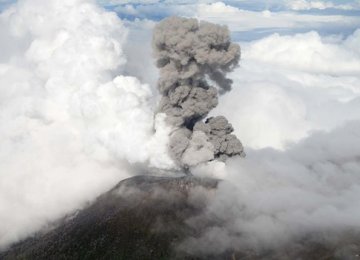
x: 193, y: 58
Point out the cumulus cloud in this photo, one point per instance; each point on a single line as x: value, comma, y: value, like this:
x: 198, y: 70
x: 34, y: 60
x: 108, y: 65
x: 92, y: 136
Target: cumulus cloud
x: 304, y: 190
x: 69, y: 126
x: 274, y: 198
x: 296, y: 5
x: 309, y: 52
x: 307, y: 5
x: 309, y: 83
x: 242, y: 20
x: 255, y: 16
x: 286, y: 86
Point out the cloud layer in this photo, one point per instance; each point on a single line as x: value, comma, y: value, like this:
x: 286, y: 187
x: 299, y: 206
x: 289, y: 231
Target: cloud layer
x: 68, y: 126
x: 71, y: 125
x: 272, y: 199
x: 289, y: 86
x: 296, y: 182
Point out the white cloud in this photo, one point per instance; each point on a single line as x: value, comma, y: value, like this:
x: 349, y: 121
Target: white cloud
x: 68, y: 126
x: 243, y: 20
x: 285, y: 88
x: 118, y: 2
x: 288, y: 86
x: 276, y: 198
x: 150, y: 2
x: 257, y: 4
x: 307, y: 5
x: 240, y: 17
x: 309, y: 52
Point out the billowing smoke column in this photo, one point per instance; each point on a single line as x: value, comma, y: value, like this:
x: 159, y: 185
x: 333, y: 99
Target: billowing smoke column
x: 190, y: 54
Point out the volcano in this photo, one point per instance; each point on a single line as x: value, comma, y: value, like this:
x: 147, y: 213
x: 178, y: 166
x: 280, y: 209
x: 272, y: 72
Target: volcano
x: 146, y: 217
x: 142, y: 217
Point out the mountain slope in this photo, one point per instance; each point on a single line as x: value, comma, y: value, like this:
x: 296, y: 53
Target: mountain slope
x: 141, y: 218
x: 146, y: 218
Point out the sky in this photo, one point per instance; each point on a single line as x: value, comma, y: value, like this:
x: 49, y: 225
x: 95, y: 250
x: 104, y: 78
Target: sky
x: 78, y: 95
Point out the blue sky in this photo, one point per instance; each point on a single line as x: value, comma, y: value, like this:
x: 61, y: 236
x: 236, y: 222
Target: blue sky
x: 5, y: 3
x: 301, y: 10
x: 326, y: 17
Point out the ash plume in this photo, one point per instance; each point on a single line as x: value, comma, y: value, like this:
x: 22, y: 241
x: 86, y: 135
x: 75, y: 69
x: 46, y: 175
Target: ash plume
x: 193, y: 58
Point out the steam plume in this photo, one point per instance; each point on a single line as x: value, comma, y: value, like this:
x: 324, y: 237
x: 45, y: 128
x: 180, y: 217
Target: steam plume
x: 190, y: 54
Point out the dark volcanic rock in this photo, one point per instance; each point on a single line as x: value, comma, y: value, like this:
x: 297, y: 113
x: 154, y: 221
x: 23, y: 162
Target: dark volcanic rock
x: 140, y: 218
x: 146, y: 218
